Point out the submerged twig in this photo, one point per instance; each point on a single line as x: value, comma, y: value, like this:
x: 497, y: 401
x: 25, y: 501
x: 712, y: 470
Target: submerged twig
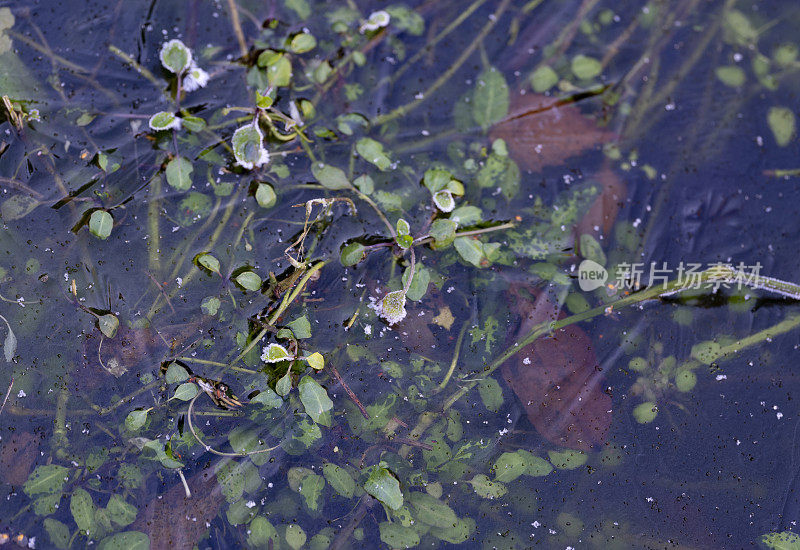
x: 8, y: 392
x: 350, y: 393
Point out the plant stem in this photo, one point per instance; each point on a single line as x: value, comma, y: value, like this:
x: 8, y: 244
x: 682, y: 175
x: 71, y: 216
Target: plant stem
x: 468, y: 51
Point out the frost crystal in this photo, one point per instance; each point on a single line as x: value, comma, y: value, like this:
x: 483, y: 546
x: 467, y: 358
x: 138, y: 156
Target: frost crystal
x: 196, y: 78
x: 392, y: 308
x: 375, y: 21
x: 164, y: 120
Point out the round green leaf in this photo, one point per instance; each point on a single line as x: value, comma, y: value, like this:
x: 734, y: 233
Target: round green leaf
x: 731, y: 75
x: 164, y: 120
x: 508, y: 467
x: 585, y: 67
x: 175, y: 56
x: 645, y: 412
x: 398, y: 536
x: 486, y: 488
x: 567, y: 459
x: 352, y: 254
x: 210, y: 305
x: 265, y: 195
x: 261, y: 532
x: 175, y: 373
x: 295, y: 536
x: 100, y: 224
x: 186, y: 391
x: 330, y: 177
x: 302, y: 42
x: 135, y: 420
x: 208, y: 261
x: 783, y: 125
x: 179, y: 173
x: 248, y: 280
x: 543, y: 78
x: 108, y: 325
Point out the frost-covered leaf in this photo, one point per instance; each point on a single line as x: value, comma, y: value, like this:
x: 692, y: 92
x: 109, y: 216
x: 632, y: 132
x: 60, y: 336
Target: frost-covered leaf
x: 175, y: 56
x: 164, y: 120
x: 248, y: 148
x: 392, y: 307
x: 444, y: 200
x: 274, y: 353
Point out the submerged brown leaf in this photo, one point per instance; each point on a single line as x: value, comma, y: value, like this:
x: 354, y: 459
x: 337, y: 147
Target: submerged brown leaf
x: 174, y: 521
x: 542, y: 131
x: 559, y: 381
x: 17, y: 455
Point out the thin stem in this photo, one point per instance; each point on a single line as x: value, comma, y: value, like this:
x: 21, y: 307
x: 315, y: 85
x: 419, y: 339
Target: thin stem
x: 408, y: 107
x: 237, y: 27
x: 454, y: 362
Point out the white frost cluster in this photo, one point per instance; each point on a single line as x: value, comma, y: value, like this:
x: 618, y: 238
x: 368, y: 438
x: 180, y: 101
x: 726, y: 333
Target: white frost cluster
x: 195, y: 78
x: 376, y: 20
x: 392, y: 308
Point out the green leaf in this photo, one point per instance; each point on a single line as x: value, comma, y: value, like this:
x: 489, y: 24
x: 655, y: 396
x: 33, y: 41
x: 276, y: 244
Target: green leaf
x: 543, y: 78
x: 121, y: 512
x: 470, y: 250
x: 404, y: 241
x: 508, y: 467
x: 436, y: 179
x: 248, y: 280
x: 443, y: 232
x: 208, y: 261
x: 419, y: 284
x: 175, y: 56
x: 279, y: 72
x: 108, y: 324
x: 352, y: 253
x: 127, y: 540
x: 48, y: 479
x: 231, y: 479
x: 783, y: 125
x: 567, y: 459
x: 295, y: 536
x: 302, y: 43
x: 585, y: 67
x: 17, y: 207
x: 261, y: 532
x: 100, y: 224
x: 175, y: 373
x: 164, y: 120
x: 301, y: 327
x: 646, y: 412
x: 268, y: 398
x: 330, y: 177
x: 707, y: 351
x: 491, y: 394
x: 457, y: 533
x: 372, y: 151
x: 314, y: 398
x: 179, y: 173
x: 82, y: 509
x: 193, y: 123
x: 311, y: 488
x: 486, y: 488
x: 274, y: 353
x: 432, y: 511
x: 392, y: 307
x: 301, y: 8
x: 384, y: 486
x: 444, y: 200
x: 338, y: 478
x: 284, y: 385
x: 46, y: 505
x: 210, y: 305
x: 500, y: 172
x: 738, y: 28
x: 9, y: 345
x: 731, y: 75
x: 316, y: 361
x: 186, y: 391
x: 785, y: 540
x: 58, y: 533
x: 402, y: 227
x: 396, y: 535
x: 135, y: 420
x: 591, y: 249
x: 535, y: 466
x: 490, y: 99
x: 248, y: 148
x: 265, y: 195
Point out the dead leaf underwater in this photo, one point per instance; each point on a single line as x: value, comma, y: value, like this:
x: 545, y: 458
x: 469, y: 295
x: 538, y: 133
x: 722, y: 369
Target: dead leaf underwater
x: 542, y: 131
x: 559, y: 382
